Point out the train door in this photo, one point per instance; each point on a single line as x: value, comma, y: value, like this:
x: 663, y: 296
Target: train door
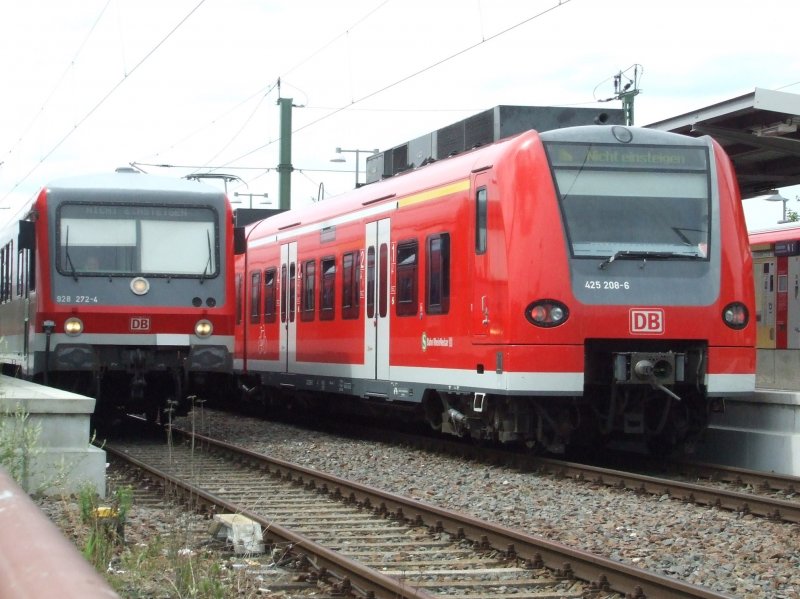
x: 376, y: 323
x: 765, y: 271
x: 287, y: 352
x: 480, y: 263
x: 793, y: 304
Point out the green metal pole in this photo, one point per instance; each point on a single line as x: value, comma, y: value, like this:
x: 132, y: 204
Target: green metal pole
x: 285, y: 165
x: 627, y: 105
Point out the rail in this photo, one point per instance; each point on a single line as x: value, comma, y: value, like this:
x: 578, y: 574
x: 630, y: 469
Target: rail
x: 598, y: 573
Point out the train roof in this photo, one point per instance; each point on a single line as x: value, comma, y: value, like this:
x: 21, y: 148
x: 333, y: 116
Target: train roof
x: 776, y: 234
x: 129, y: 180
x: 432, y: 175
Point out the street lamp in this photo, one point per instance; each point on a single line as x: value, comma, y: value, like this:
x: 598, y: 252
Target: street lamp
x: 236, y: 194
x: 340, y: 158
x: 775, y: 196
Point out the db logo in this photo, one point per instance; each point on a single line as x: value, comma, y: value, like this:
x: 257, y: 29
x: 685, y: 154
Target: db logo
x: 647, y: 322
x: 140, y: 324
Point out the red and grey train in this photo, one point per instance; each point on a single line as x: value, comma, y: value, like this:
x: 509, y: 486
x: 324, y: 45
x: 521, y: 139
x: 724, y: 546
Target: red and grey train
x: 776, y: 262
x: 579, y: 284
x: 119, y: 286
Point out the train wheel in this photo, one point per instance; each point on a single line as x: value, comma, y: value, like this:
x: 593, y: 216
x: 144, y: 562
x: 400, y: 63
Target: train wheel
x: 432, y: 406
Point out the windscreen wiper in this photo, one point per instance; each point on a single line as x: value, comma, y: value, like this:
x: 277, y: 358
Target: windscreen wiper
x: 645, y: 254
x: 67, y: 256
x: 207, y: 267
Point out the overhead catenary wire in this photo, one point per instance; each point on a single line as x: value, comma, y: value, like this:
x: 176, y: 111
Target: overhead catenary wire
x: 269, y: 88
x: 69, y: 67
x: 408, y: 77
x: 103, y: 99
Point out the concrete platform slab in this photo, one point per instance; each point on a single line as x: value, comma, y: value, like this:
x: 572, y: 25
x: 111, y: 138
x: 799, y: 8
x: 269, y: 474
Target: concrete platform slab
x: 61, y: 460
x: 760, y: 432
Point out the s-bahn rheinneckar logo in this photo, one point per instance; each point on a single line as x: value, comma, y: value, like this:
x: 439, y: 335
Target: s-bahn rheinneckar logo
x: 647, y: 321
x: 140, y: 324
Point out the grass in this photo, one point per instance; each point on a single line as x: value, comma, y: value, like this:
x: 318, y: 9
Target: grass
x: 160, y: 554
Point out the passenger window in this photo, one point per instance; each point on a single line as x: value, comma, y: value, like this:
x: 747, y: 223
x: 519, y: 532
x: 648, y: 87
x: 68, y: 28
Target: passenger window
x: 407, y: 278
x: 437, y: 300
x: 284, y: 294
x: 255, y: 297
x: 292, y: 290
x: 327, y: 288
x: 270, y: 295
x: 481, y: 222
x: 383, y: 277
x: 351, y: 280
x: 309, y: 290
x: 239, y: 298
x: 371, y: 282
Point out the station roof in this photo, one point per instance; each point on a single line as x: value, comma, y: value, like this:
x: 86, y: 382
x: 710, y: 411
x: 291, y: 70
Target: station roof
x: 759, y: 131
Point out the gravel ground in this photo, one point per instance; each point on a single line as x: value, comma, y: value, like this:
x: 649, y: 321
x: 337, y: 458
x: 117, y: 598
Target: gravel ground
x: 744, y: 556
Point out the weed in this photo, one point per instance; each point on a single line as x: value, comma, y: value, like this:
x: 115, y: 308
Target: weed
x: 19, y: 439
x: 106, y: 524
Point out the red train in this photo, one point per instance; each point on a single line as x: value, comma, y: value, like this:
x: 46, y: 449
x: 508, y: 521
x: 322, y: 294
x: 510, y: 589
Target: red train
x: 581, y: 284
x: 120, y: 287
x: 776, y: 262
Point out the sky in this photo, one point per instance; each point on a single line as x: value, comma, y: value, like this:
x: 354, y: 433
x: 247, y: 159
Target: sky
x: 191, y: 86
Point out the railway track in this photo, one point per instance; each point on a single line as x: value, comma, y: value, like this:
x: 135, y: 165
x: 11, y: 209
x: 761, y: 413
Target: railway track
x: 377, y: 544
x: 763, y: 494
x: 702, y: 493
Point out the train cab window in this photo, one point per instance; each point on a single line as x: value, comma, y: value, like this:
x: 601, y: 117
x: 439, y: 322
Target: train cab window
x: 103, y: 239
x: 351, y: 282
x: 308, y: 291
x: 646, y: 201
x: 481, y: 211
x: 407, y: 277
x: 255, y: 297
x: 437, y: 299
x: 270, y: 295
x: 327, y: 288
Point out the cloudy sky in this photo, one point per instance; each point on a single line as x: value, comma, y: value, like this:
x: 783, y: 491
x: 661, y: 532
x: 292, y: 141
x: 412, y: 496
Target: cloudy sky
x: 93, y: 85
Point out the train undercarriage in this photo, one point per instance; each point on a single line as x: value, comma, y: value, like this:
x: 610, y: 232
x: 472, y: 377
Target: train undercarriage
x: 124, y: 380
x: 652, y: 397
x: 658, y: 420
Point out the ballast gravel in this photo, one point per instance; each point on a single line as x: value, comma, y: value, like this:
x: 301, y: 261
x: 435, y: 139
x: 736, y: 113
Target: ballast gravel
x: 741, y: 555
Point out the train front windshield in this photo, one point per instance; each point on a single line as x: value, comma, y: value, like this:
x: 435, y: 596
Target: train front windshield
x: 635, y: 201
x: 124, y: 240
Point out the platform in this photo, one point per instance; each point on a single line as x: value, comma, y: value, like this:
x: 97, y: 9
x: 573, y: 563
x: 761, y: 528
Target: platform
x: 61, y: 459
x: 760, y: 432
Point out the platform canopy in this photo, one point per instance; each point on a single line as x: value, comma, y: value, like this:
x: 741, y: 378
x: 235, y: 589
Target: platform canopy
x: 759, y: 131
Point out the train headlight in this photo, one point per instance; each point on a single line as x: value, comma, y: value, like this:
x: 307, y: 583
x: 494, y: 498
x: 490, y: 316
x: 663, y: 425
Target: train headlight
x: 140, y: 285
x: 735, y: 315
x: 546, y: 313
x: 73, y: 326
x: 203, y: 328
